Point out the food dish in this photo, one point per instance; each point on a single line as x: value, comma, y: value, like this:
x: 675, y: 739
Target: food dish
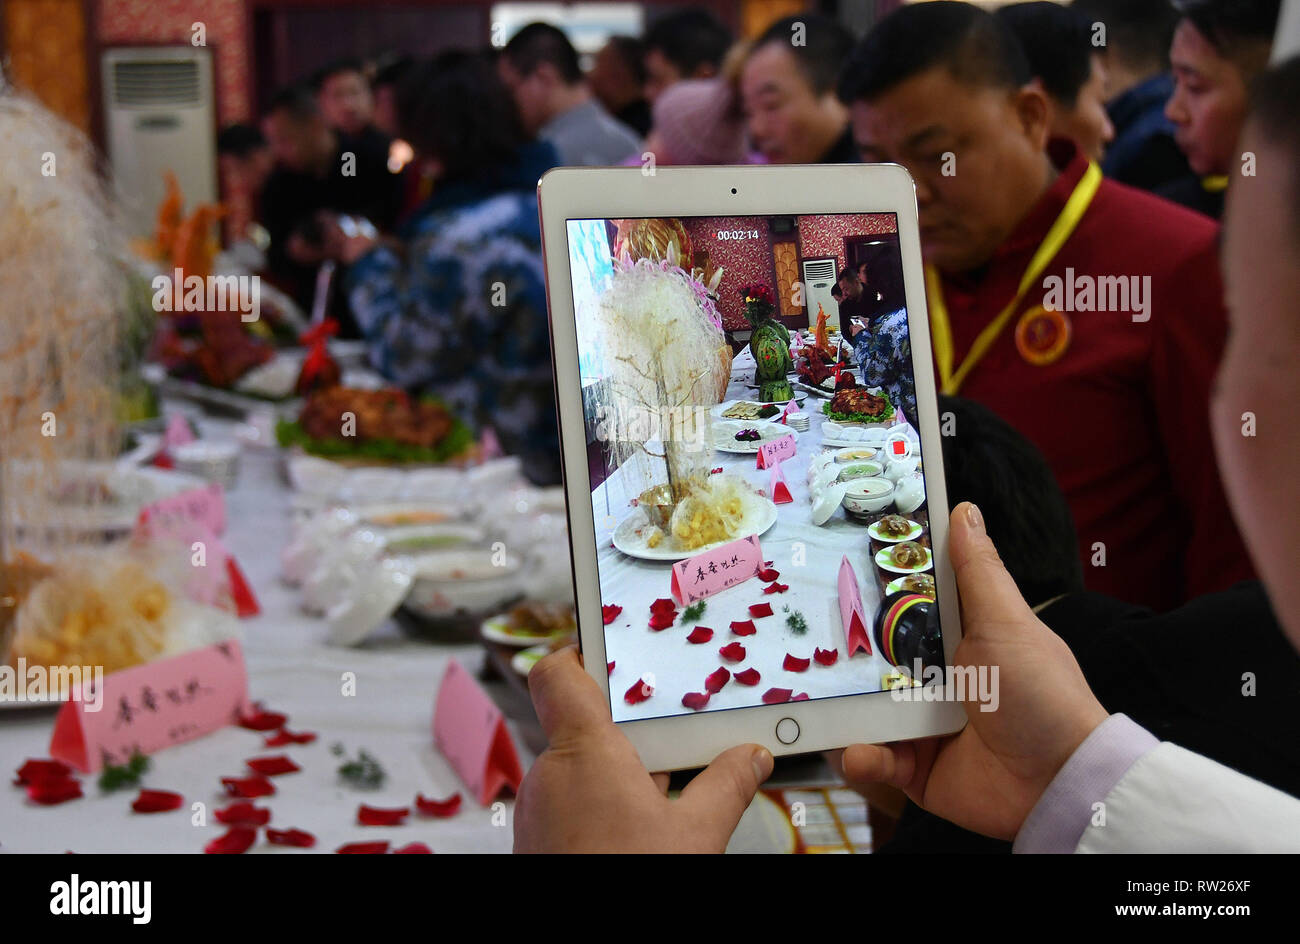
x: 612, y: 311
x: 375, y: 425
x: 726, y: 436
x: 893, y: 529
x: 912, y: 583
x: 530, y: 623
x: 913, y: 559
x: 858, y: 405
x: 634, y: 533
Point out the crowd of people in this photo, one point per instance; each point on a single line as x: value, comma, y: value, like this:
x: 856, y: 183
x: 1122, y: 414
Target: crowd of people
x: 1093, y: 144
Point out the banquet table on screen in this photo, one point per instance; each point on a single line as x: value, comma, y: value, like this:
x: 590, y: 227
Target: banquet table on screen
x: 808, y: 559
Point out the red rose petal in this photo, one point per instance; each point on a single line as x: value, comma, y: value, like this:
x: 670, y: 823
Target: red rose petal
x: 53, y: 790
x: 610, y: 613
x: 248, y: 788
x: 700, y: 634
x: 774, y: 696
x: 662, y: 620
x: 374, y: 816
x: 285, y: 736
x: 609, y: 668
x: 695, y: 700
x: 236, y: 840
x: 243, y: 814
x: 34, y: 770
x: 638, y: 693
x: 663, y: 605
x: 776, y: 588
x: 826, y: 656
x: 413, y: 848
x: 272, y: 766
x: 745, y: 628
x: 759, y: 610
x: 802, y: 696
x: 791, y: 664
x: 290, y: 837
x: 439, y: 808
x: 767, y: 574
x: 713, y: 684
x: 157, y: 801
x: 363, y: 848
x: 734, y: 652
x: 262, y: 720
x: 748, y: 677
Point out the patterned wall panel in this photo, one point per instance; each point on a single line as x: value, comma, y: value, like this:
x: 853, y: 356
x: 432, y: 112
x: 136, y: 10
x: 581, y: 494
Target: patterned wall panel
x: 124, y: 22
x: 744, y: 260
x: 45, y: 42
x: 821, y: 236
x: 787, y: 273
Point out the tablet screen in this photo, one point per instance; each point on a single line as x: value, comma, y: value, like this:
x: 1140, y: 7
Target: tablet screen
x: 760, y: 519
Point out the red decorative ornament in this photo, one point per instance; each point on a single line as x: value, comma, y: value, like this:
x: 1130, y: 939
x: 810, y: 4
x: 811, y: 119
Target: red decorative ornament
x: 440, y: 809
x: 290, y: 837
x: 362, y: 848
x: 262, y: 720
x: 272, y: 766
x: 374, y: 816
x: 695, y: 700
x: 700, y: 634
x: 716, y: 680
x: 733, y: 652
x: 638, y: 693
x: 285, y: 736
x: 243, y: 814
x: 157, y: 801
x: 34, y: 770
x: 248, y: 788
x: 235, y: 841
x: 54, y: 790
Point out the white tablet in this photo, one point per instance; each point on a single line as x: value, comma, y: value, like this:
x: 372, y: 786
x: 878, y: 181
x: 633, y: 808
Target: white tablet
x: 759, y: 543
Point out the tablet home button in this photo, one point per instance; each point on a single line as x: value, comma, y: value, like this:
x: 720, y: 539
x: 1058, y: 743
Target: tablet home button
x: 787, y: 730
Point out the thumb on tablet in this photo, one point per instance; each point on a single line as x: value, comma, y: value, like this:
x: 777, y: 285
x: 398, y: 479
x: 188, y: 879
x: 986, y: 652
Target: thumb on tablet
x: 720, y: 794
x: 990, y: 599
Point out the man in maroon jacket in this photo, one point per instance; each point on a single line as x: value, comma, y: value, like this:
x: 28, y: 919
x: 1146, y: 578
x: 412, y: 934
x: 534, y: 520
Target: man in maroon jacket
x: 1087, y: 314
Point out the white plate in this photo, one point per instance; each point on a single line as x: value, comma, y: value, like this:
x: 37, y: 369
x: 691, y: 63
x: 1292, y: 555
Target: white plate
x: 721, y: 408
x: 760, y: 516
x: 724, y: 436
x: 884, y: 563
x: 497, y: 629
x: 524, y: 660
x: 132, y: 488
x: 896, y: 586
x: 877, y: 535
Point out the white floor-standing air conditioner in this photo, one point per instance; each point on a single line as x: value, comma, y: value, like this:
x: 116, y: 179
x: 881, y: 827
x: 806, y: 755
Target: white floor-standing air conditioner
x: 158, y: 111
x: 818, y: 279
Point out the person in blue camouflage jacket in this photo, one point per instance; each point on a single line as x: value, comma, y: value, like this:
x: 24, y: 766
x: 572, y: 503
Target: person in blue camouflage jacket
x: 459, y: 310
x: 884, y: 352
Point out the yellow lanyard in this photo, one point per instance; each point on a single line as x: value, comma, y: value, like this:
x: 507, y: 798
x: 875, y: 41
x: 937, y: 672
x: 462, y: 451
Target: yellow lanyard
x: 941, y: 328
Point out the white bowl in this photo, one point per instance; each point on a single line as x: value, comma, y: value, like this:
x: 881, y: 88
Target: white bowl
x: 469, y: 581
x: 865, y: 496
x: 856, y: 454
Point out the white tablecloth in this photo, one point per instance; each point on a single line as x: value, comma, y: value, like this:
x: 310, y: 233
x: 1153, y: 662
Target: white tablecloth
x: 292, y: 670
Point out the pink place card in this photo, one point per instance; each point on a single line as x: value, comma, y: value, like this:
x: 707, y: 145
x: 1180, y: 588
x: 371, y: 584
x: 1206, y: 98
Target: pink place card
x: 206, y: 504
x: 149, y: 707
x: 177, y: 433
x: 776, y: 450
x: 790, y: 407
x: 851, y: 615
x: 215, y: 579
x: 780, y: 489
x: 714, y: 571
x: 470, y: 731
